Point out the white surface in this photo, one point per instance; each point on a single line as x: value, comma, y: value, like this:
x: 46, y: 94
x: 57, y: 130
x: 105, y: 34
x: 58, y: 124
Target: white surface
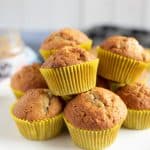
x: 52, y: 14
x: 11, y: 139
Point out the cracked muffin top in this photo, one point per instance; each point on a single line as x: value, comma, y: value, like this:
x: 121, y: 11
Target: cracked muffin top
x: 64, y: 37
x: 37, y: 104
x: 28, y: 77
x: 68, y: 56
x: 125, y: 46
x: 96, y: 109
x: 136, y: 96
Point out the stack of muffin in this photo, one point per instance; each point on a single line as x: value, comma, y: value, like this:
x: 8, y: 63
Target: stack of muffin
x: 63, y: 90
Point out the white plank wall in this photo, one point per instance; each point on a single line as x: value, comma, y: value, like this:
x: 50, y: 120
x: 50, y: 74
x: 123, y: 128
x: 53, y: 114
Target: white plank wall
x: 98, y: 12
x: 53, y: 14
x: 130, y: 12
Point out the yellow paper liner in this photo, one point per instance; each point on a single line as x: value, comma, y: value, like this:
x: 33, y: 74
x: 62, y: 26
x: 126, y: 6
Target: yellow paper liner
x: 137, y: 119
x: 39, y: 130
x: 93, y: 140
x: 144, y: 77
x: 148, y: 67
x: 119, y: 68
x: 87, y: 45
x: 147, y: 50
x: 17, y: 93
x: 46, y: 53
x: 71, y: 79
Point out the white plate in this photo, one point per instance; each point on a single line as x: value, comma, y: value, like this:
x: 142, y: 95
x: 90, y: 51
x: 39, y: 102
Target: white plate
x: 11, y: 139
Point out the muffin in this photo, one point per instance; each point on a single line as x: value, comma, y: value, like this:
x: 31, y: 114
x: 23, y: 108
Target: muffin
x: 137, y: 98
x: 28, y: 77
x: 122, y: 59
x: 69, y: 71
x: 38, y: 114
x: 64, y: 37
x: 94, y: 118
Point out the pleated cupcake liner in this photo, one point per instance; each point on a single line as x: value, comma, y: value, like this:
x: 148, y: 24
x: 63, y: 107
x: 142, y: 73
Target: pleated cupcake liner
x: 17, y: 93
x: 148, y: 53
x: 144, y: 78
x: 93, y: 140
x: 71, y: 79
x: 148, y: 66
x: 137, y: 119
x: 46, y: 53
x: 87, y: 45
x: 119, y: 68
x: 39, y: 130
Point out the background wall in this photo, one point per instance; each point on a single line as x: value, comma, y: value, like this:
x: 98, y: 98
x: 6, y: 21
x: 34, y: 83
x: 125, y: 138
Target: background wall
x: 53, y: 14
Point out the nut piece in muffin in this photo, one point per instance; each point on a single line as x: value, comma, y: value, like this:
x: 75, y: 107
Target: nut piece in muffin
x: 125, y: 46
x: 96, y: 109
x: 28, y: 77
x: 68, y: 56
x: 64, y: 37
x: 37, y: 104
x: 136, y: 96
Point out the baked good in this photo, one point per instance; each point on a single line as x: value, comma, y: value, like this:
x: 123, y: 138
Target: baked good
x: 28, y: 77
x: 37, y: 104
x: 124, y: 46
x: 97, y: 109
x: 64, y: 37
x: 137, y: 98
x: 70, y: 71
x: 96, y: 114
x: 123, y: 59
x: 68, y: 56
x: 38, y: 114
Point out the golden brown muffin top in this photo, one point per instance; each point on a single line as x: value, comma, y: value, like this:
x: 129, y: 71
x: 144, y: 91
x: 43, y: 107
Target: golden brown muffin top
x: 64, y: 37
x: 136, y: 96
x: 37, y: 104
x: 68, y: 56
x: 96, y: 109
x: 125, y: 46
x: 28, y: 77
